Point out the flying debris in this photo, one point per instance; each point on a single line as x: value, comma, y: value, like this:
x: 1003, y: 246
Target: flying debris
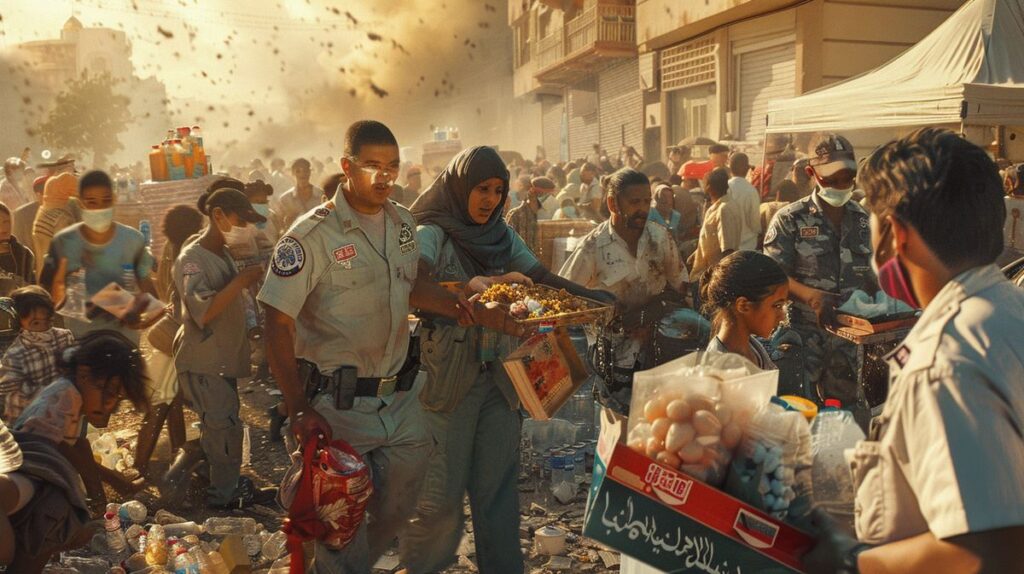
x: 380, y: 92
x: 165, y: 33
x: 374, y: 37
x: 352, y: 18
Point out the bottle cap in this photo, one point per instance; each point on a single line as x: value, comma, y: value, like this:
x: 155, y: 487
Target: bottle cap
x: 833, y: 403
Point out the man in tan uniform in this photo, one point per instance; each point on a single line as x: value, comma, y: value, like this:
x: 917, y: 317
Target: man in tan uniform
x: 938, y: 481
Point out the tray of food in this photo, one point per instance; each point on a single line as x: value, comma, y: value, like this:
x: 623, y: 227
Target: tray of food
x: 543, y: 305
x: 880, y: 324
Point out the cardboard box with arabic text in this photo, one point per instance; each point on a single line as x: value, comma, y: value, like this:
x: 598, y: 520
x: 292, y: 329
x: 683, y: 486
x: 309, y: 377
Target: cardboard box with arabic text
x: 675, y: 523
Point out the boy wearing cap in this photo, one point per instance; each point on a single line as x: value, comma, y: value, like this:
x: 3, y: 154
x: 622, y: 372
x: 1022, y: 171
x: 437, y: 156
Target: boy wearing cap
x: 105, y: 252
x: 824, y: 244
x: 213, y: 348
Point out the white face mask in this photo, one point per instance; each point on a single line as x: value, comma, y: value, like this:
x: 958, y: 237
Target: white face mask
x: 240, y: 236
x: 39, y: 337
x: 835, y: 197
x: 98, y: 220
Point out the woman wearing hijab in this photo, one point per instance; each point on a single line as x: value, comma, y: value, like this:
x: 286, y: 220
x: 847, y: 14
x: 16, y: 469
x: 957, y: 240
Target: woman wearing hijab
x: 471, y: 406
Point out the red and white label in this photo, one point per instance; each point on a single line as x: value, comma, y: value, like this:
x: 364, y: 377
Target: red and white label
x: 755, y: 530
x: 671, y: 487
x: 345, y: 253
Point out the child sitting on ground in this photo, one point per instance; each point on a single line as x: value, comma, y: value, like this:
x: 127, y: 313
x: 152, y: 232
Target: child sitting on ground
x: 96, y: 374
x: 30, y: 363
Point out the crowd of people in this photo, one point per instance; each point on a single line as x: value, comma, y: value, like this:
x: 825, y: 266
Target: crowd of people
x: 272, y: 276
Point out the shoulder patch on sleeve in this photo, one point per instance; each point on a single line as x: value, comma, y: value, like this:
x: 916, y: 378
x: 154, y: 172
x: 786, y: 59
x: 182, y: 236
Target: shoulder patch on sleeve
x: 289, y: 257
x: 190, y: 268
x: 773, y: 232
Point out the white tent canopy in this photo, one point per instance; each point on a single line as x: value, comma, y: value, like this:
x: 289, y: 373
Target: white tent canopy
x: 970, y: 69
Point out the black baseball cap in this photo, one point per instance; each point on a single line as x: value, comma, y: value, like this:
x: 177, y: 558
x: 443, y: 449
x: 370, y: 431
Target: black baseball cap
x: 832, y: 153
x: 234, y: 201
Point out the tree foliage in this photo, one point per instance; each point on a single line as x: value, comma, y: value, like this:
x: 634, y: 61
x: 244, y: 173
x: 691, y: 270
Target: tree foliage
x: 87, y: 116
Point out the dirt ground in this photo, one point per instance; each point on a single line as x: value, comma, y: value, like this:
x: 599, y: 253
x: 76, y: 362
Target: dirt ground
x: 269, y: 462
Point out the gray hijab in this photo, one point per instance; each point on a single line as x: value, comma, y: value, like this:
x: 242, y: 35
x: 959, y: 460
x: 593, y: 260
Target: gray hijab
x: 480, y: 247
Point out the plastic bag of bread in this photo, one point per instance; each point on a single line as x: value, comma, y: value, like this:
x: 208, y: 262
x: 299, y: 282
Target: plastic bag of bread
x: 690, y: 414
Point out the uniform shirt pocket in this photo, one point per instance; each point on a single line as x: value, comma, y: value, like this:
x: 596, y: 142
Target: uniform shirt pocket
x: 353, y: 291
x: 872, y: 485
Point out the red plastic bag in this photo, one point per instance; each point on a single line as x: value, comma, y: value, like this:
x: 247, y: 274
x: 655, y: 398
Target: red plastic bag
x: 326, y: 497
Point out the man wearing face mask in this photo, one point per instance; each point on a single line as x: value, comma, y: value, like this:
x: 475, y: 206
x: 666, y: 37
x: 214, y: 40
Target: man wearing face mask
x: 824, y: 244
x: 938, y: 479
x: 105, y: 251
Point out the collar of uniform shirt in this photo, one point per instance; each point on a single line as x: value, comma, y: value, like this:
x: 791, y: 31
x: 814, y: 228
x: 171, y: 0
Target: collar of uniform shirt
x: 346, y: 215
x: 946, y: 302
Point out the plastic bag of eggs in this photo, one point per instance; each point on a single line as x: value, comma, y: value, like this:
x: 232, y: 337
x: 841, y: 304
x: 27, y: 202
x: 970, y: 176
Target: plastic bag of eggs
x: 694, y: 433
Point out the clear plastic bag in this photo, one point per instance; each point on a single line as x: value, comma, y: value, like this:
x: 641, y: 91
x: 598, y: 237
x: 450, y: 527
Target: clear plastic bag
x: 772, y: 467
x: 690, y: 414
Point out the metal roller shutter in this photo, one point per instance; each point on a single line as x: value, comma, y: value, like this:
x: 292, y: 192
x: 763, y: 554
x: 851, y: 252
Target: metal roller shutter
x: 764, y: 75
x: 584, y: 128
x: 621, y: 107
x: 552, y: 108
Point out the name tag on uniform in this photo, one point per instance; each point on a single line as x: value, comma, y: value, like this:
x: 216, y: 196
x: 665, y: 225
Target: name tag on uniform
x: 345, y: 253
x: 809, y: 231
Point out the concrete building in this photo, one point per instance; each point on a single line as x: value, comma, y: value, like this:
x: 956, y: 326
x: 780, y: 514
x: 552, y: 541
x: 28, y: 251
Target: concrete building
x: 695, y: 68
x: 578, y: 59
x: 711, y: 67
x: 54, y: 63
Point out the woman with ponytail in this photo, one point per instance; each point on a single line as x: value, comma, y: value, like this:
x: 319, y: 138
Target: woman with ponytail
x: 745, y: 296
x: 212, y: 349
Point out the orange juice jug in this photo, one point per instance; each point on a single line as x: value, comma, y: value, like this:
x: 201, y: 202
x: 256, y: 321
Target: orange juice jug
x: 158, y: 164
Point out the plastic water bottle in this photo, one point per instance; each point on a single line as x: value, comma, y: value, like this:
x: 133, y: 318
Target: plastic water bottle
x: 74, y: 295
x: 834, y: 431
x: 156, y: 546
x: 580, y: 463
x: 246, y: 447
x: 557, y: 468
x: 184, y: 563
x: 225, y: 525
x: 116, y: 541
x: 128, y: 279
x: 147, y: 231
x: 274, y: 546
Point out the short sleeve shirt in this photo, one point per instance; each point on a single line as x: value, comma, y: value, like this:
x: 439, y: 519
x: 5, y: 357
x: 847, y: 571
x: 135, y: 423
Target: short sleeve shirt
x: 291, y: 206
x: 350, y: 302
x: 721, y: 231
x: 811, y: 251
x: 104, y: 264
x: 438, y: 252
x: 946, y: 455
x: 602, y: 260
x: 221, y: 346
x: 748, y: 202
x: 56, y: 413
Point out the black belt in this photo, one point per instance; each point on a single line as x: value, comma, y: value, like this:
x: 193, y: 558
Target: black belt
x: 376, y: 386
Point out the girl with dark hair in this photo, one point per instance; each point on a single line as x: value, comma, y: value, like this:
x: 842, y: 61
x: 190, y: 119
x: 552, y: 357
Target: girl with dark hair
x: 471, y: 405
x: 745, y: 296
x: 17, y: 262
x: 96, y: 374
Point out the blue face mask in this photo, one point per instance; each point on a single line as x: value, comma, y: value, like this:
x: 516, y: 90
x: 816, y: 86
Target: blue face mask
x: 264, y: 210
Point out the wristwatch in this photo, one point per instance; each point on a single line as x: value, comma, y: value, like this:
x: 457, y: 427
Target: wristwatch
x: 852, y: 556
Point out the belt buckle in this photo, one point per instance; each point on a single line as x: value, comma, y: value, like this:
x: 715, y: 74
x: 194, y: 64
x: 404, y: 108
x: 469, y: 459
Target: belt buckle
x: 386, y: 386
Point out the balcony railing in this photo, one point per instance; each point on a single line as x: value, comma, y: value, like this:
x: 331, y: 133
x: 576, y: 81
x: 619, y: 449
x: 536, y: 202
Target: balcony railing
x: 550, y: 49
x: 614, y: 24
x: 598, y: 32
